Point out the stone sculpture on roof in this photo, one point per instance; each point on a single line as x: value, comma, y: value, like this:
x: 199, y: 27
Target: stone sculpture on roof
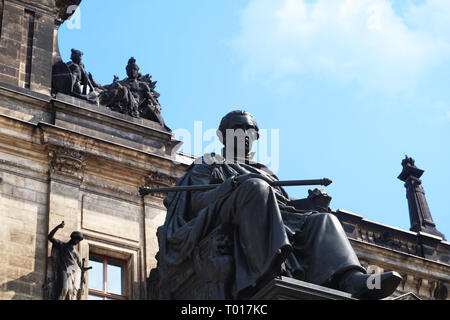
x: 135, y: 96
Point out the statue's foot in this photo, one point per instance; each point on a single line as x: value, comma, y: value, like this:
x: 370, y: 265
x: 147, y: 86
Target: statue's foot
x: 371, y: 287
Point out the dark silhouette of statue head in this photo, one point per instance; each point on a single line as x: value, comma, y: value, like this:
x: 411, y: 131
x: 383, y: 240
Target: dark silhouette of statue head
x: 76, y: 237
x: 238, y: 131
x: 238, y: 118
x: 76, y: 56
x: 132, y: 69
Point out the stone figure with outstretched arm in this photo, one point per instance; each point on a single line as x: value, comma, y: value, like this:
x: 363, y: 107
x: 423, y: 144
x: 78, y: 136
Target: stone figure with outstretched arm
x: 68, y: 268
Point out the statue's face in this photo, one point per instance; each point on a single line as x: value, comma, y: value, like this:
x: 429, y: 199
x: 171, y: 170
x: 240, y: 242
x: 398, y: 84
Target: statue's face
x: 75, y: 241
x: 133, y: 72
x: 76, y: 58
x: 239, y: 138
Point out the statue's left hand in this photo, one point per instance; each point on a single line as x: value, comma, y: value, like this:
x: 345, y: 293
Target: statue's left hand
x: 85, y: 268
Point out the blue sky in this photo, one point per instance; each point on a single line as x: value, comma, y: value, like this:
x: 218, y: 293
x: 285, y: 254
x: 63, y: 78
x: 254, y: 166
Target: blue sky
x: 352, y: 86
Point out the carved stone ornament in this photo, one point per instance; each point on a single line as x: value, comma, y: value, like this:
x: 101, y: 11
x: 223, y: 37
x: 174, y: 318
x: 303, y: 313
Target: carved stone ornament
x: 67, y: 161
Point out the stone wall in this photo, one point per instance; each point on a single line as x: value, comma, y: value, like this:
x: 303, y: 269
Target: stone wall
x: 23, y: 228
x: 422, y: 259
x: 52, y: 173
x: 26, y: 44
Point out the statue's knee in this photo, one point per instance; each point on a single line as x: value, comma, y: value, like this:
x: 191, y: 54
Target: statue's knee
x: 253, y: 190
x: 325, y: 217
x: 255, y: 186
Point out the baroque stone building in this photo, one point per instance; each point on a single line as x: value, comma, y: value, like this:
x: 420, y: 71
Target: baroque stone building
x: 65, y: 159
x: 69, y: 157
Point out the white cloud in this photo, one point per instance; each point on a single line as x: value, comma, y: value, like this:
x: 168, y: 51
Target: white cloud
x: 362, y: 41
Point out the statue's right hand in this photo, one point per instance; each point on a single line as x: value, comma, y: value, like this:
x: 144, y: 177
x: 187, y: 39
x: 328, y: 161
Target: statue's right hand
x: 62, y: 225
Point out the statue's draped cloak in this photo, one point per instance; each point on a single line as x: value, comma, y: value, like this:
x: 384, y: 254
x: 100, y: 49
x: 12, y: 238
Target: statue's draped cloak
x: 193, y: 215
x: 67, y: 266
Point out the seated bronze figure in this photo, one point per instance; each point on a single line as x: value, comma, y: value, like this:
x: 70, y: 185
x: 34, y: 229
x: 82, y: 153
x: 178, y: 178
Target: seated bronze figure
x: 226, y: 243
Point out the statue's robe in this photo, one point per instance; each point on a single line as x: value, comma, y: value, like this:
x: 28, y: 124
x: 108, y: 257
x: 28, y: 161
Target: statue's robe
x: 79, y: 77
x: 67, y: 266
x: 267, y: 231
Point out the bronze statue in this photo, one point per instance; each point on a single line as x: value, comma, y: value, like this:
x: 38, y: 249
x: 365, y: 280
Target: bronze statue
x: 269, y: 234
x: 68, y: 270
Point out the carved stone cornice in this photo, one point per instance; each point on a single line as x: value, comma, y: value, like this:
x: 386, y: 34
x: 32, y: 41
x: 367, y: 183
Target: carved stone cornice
x: 387, y: 240
x: 68, y: 162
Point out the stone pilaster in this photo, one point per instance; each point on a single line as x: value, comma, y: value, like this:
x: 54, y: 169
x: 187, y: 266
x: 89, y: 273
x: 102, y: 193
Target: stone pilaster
x: 155, y: 213
x: 66, y: 176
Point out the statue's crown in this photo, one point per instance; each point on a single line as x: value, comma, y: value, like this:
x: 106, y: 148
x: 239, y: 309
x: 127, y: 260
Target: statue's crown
x: 77, y: 52
x: 408, y: 161
x: 132, y: 64
x: 132, y: 61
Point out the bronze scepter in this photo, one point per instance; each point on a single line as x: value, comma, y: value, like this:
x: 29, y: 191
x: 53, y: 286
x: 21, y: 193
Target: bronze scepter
x: 143, y: 191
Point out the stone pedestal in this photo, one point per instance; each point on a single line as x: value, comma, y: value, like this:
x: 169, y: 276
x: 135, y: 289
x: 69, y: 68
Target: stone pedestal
x: 290, y: 289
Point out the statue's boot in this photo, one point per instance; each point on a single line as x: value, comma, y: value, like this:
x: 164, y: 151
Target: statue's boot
x: 370, y: 287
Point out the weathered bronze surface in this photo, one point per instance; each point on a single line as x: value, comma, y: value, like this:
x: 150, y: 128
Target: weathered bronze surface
x: 240, y: 235
x: 294, y: 183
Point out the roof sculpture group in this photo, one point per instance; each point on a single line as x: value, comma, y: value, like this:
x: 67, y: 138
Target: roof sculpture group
x: 135, y: 95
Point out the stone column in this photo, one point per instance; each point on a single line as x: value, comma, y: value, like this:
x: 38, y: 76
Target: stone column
x: 419, y: 212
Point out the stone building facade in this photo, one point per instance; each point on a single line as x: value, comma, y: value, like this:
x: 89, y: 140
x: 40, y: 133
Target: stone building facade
x: 63, y: 158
